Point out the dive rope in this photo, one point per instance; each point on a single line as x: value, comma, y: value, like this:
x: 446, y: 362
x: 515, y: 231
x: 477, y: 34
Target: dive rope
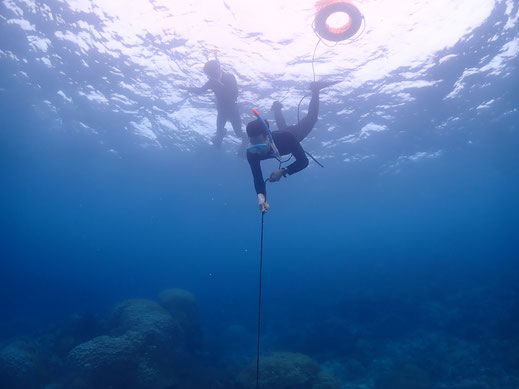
x: 259, y: 294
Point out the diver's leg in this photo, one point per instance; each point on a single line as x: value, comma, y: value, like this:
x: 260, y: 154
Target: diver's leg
x: 305, y: 125
x: 235, y: 120
x: 221, y: 119
x: 278, y: 115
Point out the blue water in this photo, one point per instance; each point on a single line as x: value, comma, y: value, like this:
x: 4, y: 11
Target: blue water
x: 392, y: 258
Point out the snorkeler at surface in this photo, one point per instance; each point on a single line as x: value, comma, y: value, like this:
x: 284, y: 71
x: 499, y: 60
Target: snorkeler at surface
x: 287, y: 140
x: 225, y: 89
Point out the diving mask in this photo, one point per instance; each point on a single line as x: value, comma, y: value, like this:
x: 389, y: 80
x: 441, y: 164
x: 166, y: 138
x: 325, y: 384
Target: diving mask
x: 259, y: 148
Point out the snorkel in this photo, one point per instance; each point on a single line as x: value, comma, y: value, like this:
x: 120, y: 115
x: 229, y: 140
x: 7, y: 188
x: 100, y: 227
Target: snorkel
x: 269, y: 134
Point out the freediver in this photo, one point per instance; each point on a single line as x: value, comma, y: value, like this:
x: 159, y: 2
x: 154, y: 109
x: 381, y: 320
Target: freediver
x: 225, y: 89
x: 286, y: 139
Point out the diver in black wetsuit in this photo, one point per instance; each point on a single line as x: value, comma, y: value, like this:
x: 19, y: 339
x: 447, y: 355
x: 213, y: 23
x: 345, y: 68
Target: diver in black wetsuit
x: 287, y: 140
x: 225, y: 88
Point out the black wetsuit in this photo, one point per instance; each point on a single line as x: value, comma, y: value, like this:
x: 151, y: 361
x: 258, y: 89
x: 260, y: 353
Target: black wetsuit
x: 226, y: 92
x: 287, y: 141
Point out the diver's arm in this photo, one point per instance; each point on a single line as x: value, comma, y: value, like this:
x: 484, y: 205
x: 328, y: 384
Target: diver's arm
x: 199, y: 90
x: 299, y: 154
x: 259, y: 184
x: 277, y: 174
x: 257, y: 174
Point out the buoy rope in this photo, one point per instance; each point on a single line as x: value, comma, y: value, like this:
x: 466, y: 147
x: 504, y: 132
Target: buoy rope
x: 259, y: 295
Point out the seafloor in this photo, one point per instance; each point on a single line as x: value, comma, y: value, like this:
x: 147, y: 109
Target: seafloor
x: 463, y: 340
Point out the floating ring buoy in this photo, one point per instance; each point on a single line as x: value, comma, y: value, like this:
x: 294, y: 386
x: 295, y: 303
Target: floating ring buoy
x: 325, y: 8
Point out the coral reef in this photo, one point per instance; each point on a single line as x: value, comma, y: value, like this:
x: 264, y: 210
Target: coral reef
x: 104, y: 360
x: 325, y: 380
x: 285, y: 370
x: 21, y: 367
x: 147, y: 318
x: 141, y: 351
x: 145, y: 344
x: 181, y: 304
x: 77, y: 329
x: 404, y: 377
x: 468, y: 384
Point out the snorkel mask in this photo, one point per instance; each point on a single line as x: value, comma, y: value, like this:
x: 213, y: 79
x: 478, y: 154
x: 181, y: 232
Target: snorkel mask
x: 259, y: 148
x: 264, y: 148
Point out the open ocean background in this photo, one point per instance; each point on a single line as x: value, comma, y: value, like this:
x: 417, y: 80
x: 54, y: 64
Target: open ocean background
x: 394, y: 266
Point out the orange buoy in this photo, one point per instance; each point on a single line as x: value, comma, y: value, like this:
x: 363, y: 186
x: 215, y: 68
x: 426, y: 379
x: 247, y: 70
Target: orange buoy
x: 326, y: 8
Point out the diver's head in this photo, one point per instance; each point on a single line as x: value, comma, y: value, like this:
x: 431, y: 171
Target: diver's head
x: 212, y: 69
x: 258, y: 139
